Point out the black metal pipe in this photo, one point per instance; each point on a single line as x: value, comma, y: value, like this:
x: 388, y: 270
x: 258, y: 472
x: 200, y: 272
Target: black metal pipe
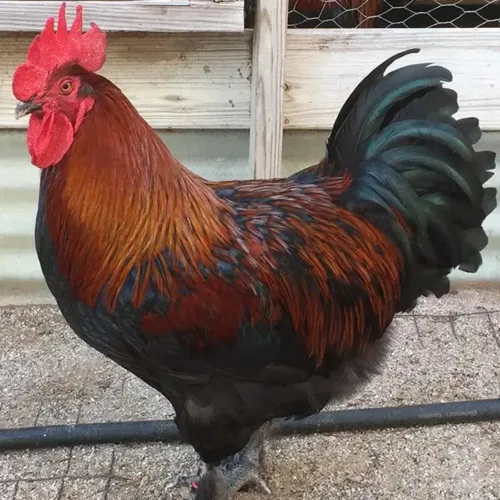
x: 86, y: 434
x: 459, y: 412
x: 328, y: 421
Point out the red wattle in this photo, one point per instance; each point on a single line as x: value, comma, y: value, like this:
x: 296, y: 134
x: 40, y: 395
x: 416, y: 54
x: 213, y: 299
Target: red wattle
x: 49, y: 138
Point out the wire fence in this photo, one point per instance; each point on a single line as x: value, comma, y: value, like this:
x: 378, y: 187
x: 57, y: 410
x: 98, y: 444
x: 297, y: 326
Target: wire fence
x: 388, y: 13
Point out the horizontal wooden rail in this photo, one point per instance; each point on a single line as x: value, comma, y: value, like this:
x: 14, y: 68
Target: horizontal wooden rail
x: 202, y: 80
x: 127, y: 15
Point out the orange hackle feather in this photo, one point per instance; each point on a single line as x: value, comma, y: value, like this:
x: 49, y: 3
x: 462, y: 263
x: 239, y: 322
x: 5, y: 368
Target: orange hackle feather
x: 114, y: 207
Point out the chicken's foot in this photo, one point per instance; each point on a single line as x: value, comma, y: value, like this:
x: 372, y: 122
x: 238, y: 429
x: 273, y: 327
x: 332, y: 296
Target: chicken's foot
x: 240, y: 471
x: 191, y: 481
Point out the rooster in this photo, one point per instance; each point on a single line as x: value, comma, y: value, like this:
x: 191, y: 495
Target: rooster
x: 245, y: 302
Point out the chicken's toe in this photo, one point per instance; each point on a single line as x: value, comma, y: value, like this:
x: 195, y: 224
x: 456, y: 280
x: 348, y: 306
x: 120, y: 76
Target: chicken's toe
x: 191, y: 481
x: 240, y: 471
x: 258, y: 483
x: 222, y: 482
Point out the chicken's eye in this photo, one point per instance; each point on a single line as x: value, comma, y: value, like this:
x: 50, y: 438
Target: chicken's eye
x: 66, y: 87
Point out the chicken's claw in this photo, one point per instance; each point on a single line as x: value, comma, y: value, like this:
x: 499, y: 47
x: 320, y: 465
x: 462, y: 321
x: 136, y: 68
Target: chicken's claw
x: 240, y: 471
x: 190, y: 482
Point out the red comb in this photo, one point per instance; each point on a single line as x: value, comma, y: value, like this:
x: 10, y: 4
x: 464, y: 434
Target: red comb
x: 51, y: 49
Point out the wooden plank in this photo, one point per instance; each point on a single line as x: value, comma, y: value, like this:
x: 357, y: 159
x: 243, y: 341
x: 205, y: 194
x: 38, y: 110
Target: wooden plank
x: 202, y: 81
x: 125, y: 15
x: 266, y: 122
x: 324, y: 66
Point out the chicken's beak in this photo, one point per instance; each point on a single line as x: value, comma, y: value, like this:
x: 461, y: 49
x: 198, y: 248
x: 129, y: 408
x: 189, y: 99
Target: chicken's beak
x: 26, y: 108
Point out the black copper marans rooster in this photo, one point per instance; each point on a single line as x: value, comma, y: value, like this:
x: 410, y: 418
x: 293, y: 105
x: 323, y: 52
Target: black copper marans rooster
x: 244, y: 302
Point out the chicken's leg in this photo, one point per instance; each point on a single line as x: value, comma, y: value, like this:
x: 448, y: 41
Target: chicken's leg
x: 241, y: 470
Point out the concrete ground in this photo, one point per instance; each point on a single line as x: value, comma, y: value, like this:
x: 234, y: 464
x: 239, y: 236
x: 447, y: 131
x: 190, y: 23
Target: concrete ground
x: 448, y: 350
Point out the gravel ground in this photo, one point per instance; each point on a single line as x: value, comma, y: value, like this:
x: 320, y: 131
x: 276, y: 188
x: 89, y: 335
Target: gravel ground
x: 448, y: 350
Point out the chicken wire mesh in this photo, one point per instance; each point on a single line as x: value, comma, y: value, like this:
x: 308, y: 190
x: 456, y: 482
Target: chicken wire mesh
x: 388, y: 13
